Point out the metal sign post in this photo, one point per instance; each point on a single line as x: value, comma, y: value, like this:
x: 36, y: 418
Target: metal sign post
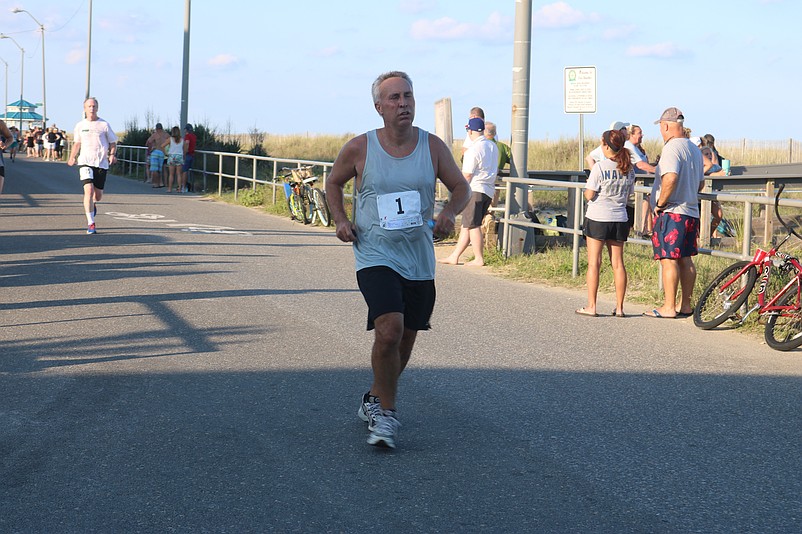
x: 580, y: 97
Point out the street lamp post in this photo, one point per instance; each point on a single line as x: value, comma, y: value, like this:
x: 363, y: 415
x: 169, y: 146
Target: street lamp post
x: 21, y: 74
x: 44, y: 94
x: 5, y: 101
x: 89, y: 52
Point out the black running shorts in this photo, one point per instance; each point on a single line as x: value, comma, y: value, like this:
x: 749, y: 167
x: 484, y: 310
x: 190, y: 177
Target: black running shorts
x: 386, y: 291
x: 93, y: 175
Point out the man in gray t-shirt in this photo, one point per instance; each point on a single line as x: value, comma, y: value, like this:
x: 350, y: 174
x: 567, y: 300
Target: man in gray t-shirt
x: 677, y: 180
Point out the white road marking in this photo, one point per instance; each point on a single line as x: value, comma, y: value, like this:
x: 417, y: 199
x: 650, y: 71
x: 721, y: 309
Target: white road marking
x: 172, y: 223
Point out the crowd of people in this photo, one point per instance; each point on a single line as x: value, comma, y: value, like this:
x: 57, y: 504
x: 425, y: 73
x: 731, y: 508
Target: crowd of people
x: 671, y: 210
x: 174, y: 151
x: 37, y: 142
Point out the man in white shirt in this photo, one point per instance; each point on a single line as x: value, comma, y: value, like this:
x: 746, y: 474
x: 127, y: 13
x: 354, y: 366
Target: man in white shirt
x: 94, y: 149
x: 479, y: 166
x: 475, y: 112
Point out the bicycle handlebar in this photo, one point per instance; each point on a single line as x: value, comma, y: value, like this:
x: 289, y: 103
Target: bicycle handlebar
x: 777, y: 212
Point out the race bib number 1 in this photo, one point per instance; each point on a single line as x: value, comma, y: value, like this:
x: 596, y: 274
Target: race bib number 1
x: 399, y: 210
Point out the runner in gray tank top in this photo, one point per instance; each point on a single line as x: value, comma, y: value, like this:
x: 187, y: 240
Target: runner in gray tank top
x: 394, y: 170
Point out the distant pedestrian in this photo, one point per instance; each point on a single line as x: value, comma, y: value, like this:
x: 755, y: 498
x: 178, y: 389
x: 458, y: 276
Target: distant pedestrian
x: 50, y: 144
x: 642, y: 166
x: 678, y: 178
x: 155, y: 154
x: 710, y: 141
x: 504, y: 151
x: 61, y: 139
x: 504, y: 155
x: 30, y: 143
x: 609, y: 186
x: 40, y: 142
x: 189, y: 157
x: 175, y: 148
x: 6, y: 140
x: 94, y: 149
x: 479, y: 167
x: 476, y: 112
x: 14, y: 144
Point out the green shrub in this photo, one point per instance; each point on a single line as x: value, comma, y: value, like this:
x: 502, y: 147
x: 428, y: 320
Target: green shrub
x: 251, y: 197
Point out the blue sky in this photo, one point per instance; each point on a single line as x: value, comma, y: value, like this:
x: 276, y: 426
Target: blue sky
x: 306, y: 66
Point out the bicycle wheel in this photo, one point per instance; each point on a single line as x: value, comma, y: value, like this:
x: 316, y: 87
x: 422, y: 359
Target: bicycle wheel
x: 321, y: 206
x: 717, y: 302
x: 784, y: 329
x: 297, y: 208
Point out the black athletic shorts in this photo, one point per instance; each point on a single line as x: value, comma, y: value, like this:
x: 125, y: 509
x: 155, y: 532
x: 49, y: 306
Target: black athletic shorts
x: 606, y: 231
x: 93, y: 175
x: 386, y: 291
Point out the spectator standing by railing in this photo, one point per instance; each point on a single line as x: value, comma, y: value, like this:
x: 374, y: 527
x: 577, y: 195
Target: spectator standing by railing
x: 479, y: 167
x: 155, y: 155
x: 175, y: 148
x: 679, y: 176
x: 609, y: 186
x: 189, y: 157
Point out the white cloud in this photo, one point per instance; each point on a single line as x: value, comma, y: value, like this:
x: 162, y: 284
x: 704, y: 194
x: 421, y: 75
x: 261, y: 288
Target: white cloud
x: 560, y: 15
x: 74, y: 56
x: 126, y: 61
x: 618, y: 33
x: 223, y: 61
x: 447, y: 29
x: 415, y: 6
x: 659, y: 50
x: 328, y: 51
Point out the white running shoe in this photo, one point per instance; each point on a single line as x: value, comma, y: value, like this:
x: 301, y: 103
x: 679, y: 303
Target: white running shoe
x: 369, y: 409
x: 385, y: 430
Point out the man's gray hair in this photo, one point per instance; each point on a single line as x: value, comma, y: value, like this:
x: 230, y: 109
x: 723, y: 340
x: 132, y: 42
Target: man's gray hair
x: 490, y: 129
x: 387, y: 75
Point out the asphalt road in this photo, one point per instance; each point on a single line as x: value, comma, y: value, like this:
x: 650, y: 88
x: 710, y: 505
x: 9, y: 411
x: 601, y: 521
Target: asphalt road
x: 196, y: 367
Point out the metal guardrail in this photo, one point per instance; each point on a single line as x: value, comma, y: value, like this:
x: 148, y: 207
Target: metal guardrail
x: 576, y: 229
x: 134, y: 157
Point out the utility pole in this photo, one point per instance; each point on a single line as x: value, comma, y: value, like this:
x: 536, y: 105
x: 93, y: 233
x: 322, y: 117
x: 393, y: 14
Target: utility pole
x: 89, y: 53
x: 185, y: 74
x: 520, y: 102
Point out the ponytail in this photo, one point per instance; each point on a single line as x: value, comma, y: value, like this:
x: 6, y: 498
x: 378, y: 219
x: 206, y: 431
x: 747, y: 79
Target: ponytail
x: 615, y: 140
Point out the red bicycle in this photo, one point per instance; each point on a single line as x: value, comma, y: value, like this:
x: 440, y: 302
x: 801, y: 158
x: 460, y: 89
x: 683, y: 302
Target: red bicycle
x: 727, y: 294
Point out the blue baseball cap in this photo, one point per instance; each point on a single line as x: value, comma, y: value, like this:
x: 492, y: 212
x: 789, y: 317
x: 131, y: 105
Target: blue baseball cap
x: 476, y: 125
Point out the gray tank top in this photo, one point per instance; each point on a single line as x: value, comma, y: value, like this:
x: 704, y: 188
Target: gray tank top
x: 394, y: 204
